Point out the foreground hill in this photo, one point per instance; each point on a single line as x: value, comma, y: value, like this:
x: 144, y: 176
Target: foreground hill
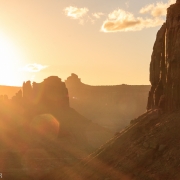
x: 147, y: 150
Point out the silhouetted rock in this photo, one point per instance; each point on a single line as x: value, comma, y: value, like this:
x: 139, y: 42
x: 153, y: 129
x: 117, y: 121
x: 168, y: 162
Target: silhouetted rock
x: 73, y: 80
x: 52, y: 92
x: 165, y: 62
x: 51, y: 97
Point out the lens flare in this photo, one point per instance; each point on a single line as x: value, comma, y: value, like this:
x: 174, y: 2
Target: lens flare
x: 44, y: 127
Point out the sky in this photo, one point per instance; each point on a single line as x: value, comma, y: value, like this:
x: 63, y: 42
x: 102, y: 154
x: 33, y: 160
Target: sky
x: 103, y: 42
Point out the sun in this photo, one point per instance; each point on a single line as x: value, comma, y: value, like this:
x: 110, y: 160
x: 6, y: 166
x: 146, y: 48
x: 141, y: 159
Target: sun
x: 10, y: 59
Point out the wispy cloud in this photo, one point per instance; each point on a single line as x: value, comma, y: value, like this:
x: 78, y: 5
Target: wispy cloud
x: 120, y: 20
x: 75, y: 12
x: 97, y: 15
x: 157, y: 9
x: 127, y: 4
x: 33, y: 67
x: 82, y: 14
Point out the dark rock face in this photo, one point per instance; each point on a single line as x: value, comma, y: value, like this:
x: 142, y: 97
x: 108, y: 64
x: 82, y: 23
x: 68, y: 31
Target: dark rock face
x: 156, y: 67
x: 51, y: 92
x: 165, y: 63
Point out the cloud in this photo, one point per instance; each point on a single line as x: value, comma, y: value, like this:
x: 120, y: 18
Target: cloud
x: 120, y: 20
x: 82, y: 15
x: 127, y: 4
x: 97, y: 15
x: 75, y: 12
x: 158, y: 9
x: 33, y: 67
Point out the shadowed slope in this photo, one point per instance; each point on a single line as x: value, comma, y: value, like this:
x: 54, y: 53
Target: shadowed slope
x: 146, y: 150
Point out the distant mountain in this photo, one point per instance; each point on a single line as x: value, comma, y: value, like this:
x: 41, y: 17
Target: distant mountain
x: 110, y: 106
x: 9, y: 90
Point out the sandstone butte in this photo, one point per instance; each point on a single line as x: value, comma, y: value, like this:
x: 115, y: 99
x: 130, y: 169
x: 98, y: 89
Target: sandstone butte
x: 149, y: 148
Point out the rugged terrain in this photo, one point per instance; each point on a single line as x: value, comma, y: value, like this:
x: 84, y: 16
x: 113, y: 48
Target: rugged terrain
x: 148, y: 149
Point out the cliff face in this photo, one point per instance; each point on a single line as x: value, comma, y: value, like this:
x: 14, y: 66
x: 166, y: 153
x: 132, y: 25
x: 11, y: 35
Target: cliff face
x: 165, y: 64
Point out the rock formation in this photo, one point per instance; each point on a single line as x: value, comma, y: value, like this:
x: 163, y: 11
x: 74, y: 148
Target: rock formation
x: 165, y: 63
x: 73, y: 80
x: 50, y: 97
x: 51, y: 92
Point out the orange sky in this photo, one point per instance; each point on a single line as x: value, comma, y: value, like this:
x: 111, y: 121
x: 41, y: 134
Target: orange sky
x: 40, y: 38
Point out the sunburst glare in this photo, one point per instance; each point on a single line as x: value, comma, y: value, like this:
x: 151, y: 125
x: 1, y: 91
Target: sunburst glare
x: 11, y: 58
